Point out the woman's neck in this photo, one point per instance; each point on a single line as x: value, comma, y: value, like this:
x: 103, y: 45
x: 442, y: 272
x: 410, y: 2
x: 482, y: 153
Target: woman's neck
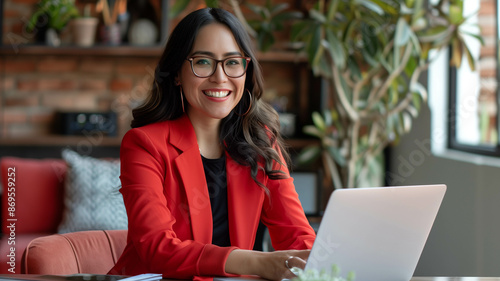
x: 207, y: 135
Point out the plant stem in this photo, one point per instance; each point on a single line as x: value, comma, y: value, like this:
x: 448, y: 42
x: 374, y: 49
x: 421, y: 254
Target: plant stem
x: 239, y: 14
x: 332, y: 169
x: 406, y: 101
x: 383, y: 90
x: 351, y: 112
x: 351, y: 167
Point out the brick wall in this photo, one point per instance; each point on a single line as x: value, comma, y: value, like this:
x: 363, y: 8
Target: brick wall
x: 488, y: 66
x: 34, y: 87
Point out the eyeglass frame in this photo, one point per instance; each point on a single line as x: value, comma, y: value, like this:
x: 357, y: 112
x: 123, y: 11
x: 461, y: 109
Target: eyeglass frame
x: 248, y: 59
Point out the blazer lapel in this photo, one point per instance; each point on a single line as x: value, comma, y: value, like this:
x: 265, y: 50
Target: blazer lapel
x: 245, y: 199
x: 190, y: 168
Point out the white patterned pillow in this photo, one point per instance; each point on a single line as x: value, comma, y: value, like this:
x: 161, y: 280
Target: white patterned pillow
x: 91, y: 197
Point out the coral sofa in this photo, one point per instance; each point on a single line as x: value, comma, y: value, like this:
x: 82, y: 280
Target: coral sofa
x: 32, y: 205
x: 91, y: 252
x: 47, y: 196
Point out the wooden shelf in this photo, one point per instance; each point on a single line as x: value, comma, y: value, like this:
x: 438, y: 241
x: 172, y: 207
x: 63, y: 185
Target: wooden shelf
x: 281, y: 56
x: 56, y: 140
x: 298, y: 144
x: 103, y: 50
x: 124, y: 51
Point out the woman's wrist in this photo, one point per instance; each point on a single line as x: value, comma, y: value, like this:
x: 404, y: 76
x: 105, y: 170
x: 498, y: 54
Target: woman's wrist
x: 245, y: 262
x: 270, y: 265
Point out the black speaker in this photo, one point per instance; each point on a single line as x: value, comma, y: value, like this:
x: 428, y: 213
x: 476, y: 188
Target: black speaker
x: 84, y: 123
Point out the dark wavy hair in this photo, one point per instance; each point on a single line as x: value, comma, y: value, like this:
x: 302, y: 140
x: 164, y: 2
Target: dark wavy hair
x: 250, y: 138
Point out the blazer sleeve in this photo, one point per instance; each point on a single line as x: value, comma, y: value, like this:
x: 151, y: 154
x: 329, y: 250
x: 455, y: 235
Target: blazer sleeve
x: 150, y: 220
x: 284, y: 216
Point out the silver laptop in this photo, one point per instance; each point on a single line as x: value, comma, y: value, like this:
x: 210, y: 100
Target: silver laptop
x: 377, y: 233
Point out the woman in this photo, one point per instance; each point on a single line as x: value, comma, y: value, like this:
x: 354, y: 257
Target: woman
x: 204, y: 163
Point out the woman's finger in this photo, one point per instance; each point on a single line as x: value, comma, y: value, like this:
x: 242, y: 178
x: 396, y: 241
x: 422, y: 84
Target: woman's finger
x: 303, y: 254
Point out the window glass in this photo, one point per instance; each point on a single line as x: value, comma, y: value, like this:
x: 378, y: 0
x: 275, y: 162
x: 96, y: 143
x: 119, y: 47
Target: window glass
x: 473, y: 94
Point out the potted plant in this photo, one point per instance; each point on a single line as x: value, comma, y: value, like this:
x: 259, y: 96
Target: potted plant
x: 270, y: 19
x: 84, y: 28
x: 50, y: 18
x: 372, y: 54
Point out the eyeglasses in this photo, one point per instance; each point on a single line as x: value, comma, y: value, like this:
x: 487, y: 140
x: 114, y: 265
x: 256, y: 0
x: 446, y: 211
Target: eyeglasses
x: 233, y: 67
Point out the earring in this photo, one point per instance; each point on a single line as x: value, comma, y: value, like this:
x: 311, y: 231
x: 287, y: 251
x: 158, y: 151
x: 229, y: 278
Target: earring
x: 182, y: 99
x: 250, y: 106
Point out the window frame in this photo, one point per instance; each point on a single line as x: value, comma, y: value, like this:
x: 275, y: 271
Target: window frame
x: 452, y: 142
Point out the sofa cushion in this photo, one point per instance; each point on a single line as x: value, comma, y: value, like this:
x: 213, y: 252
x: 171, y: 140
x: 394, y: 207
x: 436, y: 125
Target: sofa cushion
x: 36, y: 189
x: 92, y: 200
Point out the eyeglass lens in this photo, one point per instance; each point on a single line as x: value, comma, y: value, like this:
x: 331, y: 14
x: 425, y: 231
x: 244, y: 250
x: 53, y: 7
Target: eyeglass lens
x: 205, y: 66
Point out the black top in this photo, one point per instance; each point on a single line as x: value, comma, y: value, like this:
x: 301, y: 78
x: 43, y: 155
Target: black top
x: 215, y: 173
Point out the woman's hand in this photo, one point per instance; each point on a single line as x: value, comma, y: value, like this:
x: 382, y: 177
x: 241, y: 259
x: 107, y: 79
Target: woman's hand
x: 268, y: 265
x: 273, y: 265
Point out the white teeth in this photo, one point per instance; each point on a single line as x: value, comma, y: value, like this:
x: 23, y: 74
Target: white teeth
x: 216, y: 94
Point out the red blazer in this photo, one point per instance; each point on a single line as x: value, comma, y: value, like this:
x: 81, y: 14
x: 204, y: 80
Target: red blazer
x: 168, y: 206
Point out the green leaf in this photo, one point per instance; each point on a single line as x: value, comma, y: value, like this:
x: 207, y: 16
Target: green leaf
x: 387, y: 8
x: 402, y: 33
x: 323, y: 69
x: 349, y: 30
x: 328, y: 117
x: 416, y: 98
x: 374, y: 62
x: 354, y: 68
x: 399, y: 122
x: 315, y: 15
x: 265, y: 41
x: 177, y: 8
x: 407, y: 121
x: 393, y: 96
x: 415, y: 42
x: 457, y: 53
x: 300, y: 29
x: 336, y: 49
x: 308, y: 155
x: 468, y: 55
x: 369, y: 38
x: 254, y: 8
x: 332, y: 9
x: 411, y: 66
x: 433, y: 33
x: 312, y: 131
x: 337, y: 156
x: 318, y: 121
x: 456, y: 13
x: 315, y: 48
x: 351, y: 276
x: 279, y: 8
x: 412, y: 110
x: 33, y: 21
x: 420, y: 90
x: 212, y: 3
x: 477, y: 36
x: 287, y: 16
x: 371, y: 6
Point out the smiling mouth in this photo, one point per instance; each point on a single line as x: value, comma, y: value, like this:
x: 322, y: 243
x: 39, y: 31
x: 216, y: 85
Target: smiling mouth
x: 217, y: 94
